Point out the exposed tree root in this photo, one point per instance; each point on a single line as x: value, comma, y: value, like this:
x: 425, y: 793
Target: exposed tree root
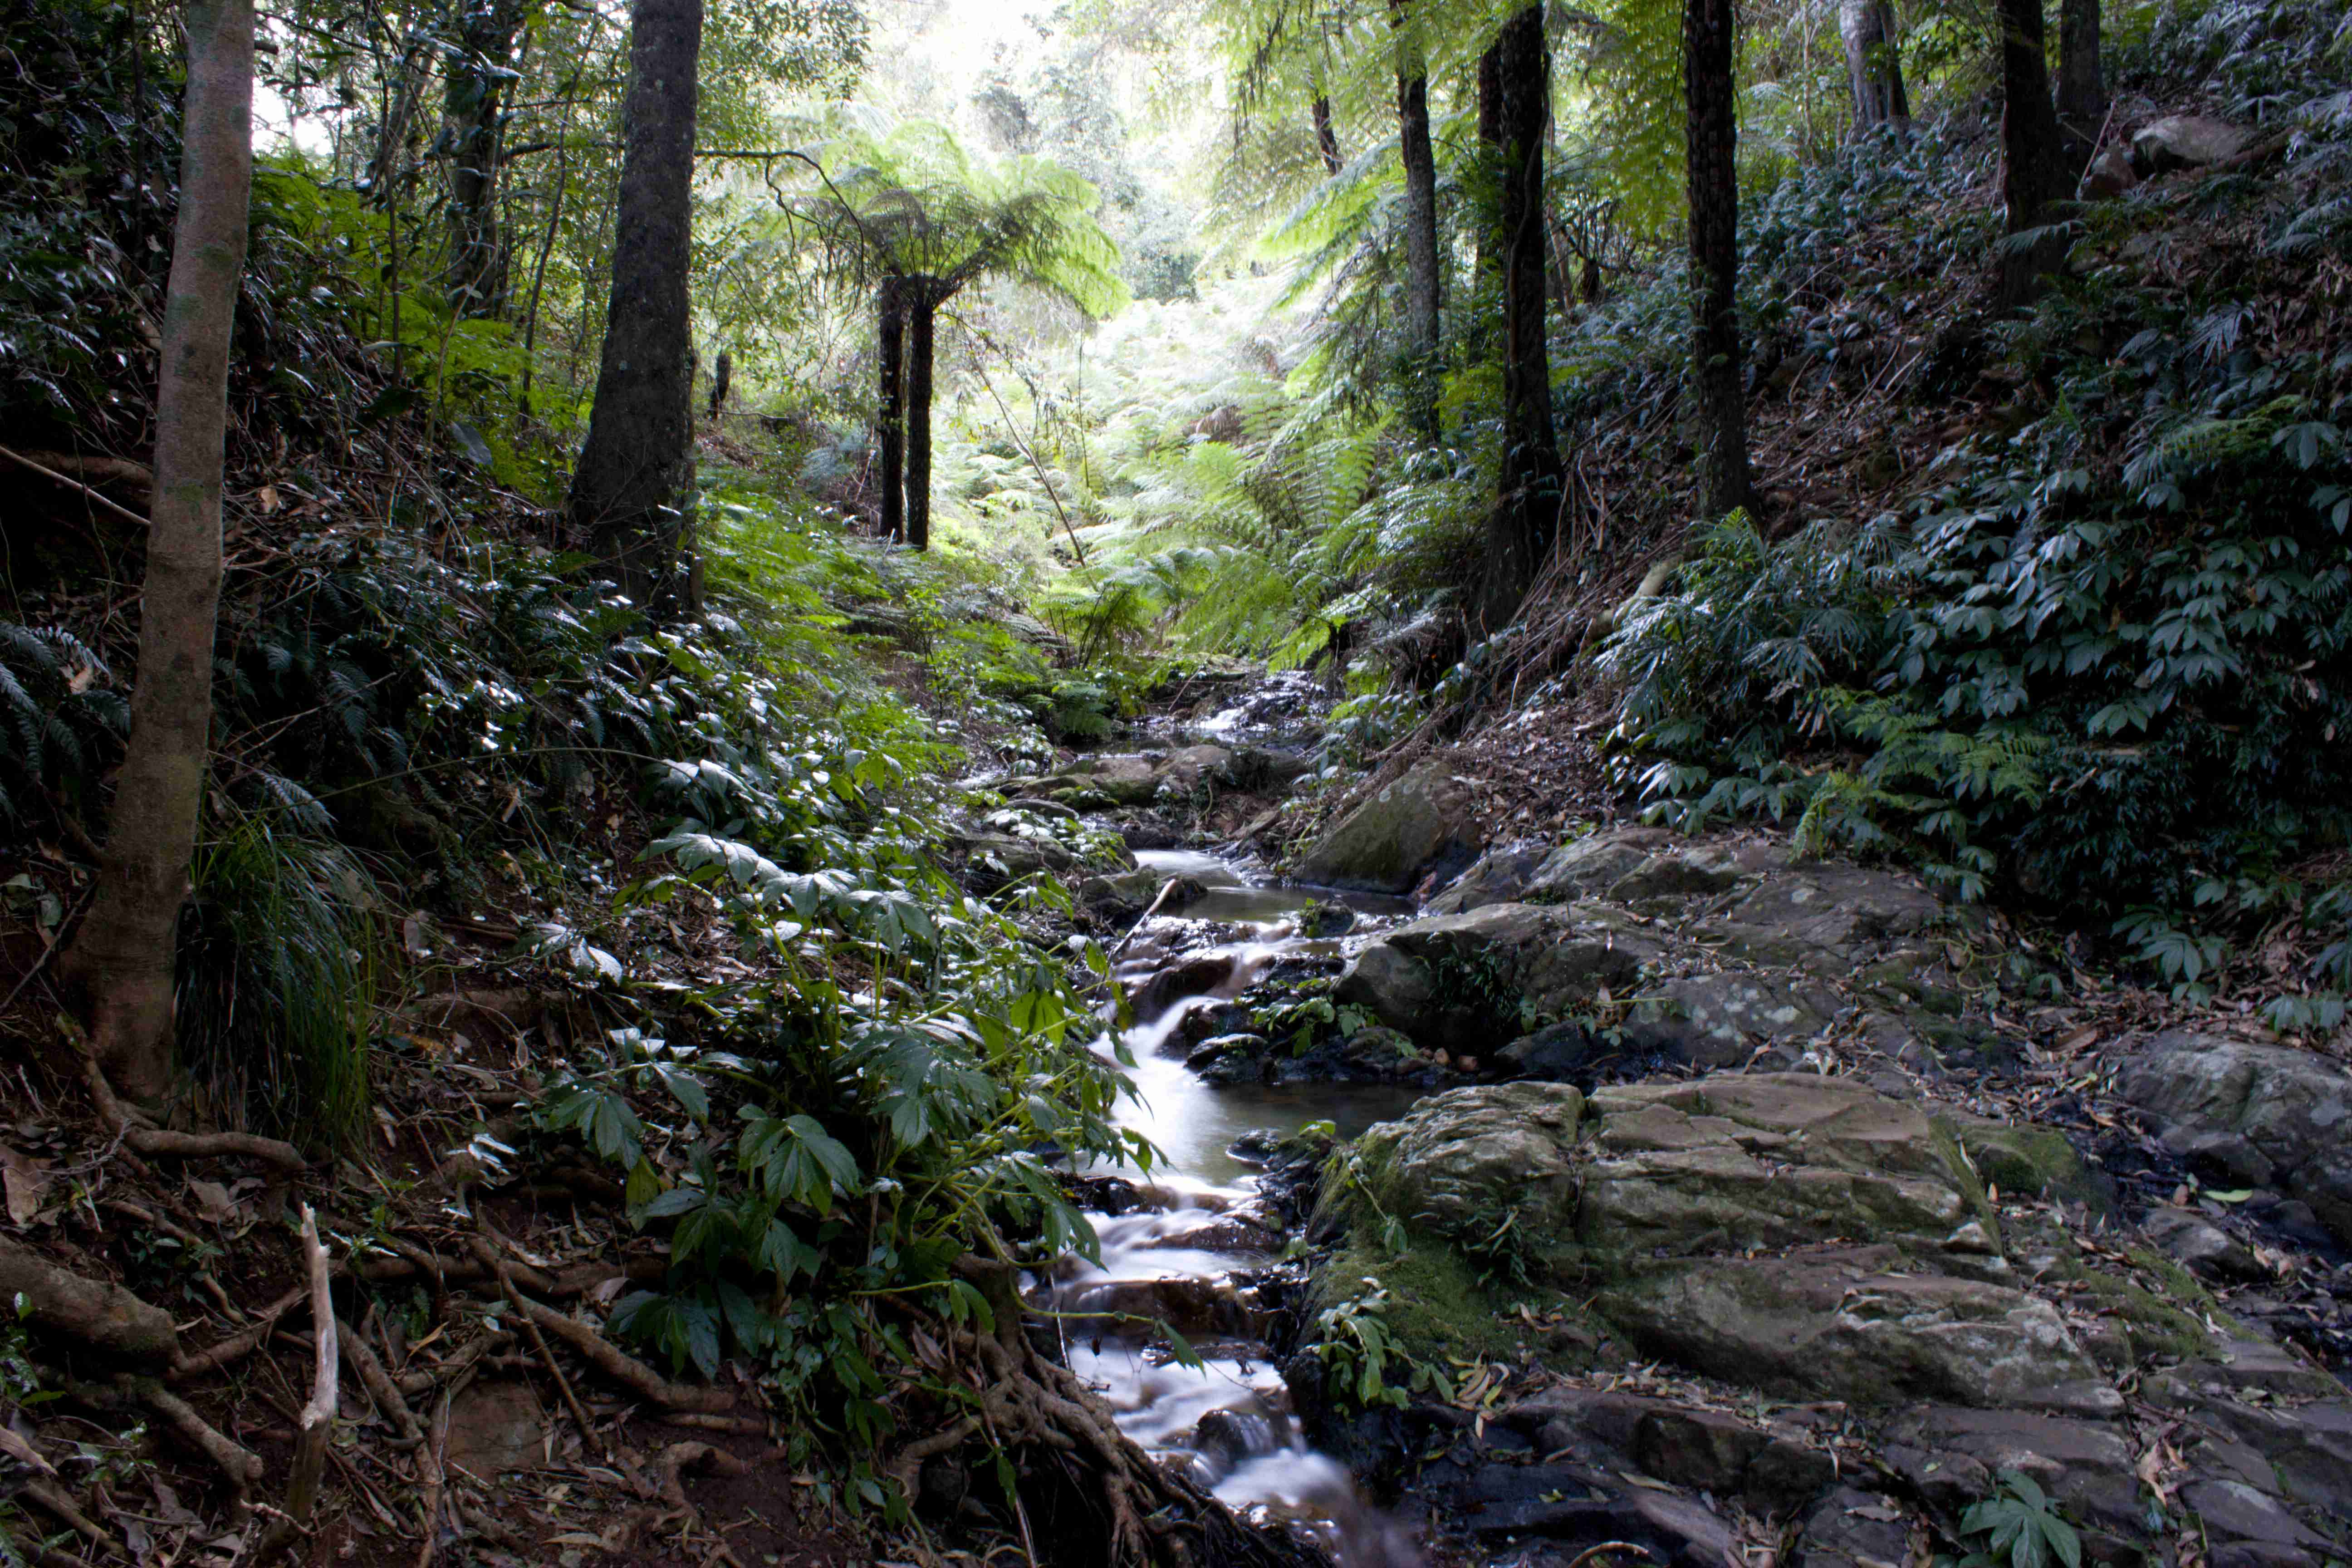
x: 160, y: 1144
x: 601, y: 1354
x: 102, y: 1316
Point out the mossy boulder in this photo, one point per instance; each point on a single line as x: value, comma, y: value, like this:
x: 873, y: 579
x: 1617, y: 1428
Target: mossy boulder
x: 1402, y: 832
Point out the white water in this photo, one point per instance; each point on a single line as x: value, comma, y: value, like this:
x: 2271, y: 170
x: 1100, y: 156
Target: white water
x: 1175, y: 1259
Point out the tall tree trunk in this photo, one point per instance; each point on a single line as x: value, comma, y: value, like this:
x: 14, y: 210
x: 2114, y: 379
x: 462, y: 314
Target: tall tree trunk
x: 1423, y: 299
x: 2034, y: 173
x: 2082, y: 88
x: 923, y: 309
x: 1327, y: 136
x: 1713, y: 170
x: 1526, y: 520
x: 474, y: 108
x: 1873, y: 67
x: 122, y: 961
x: 1490, y: 147
x: 891, y: 421
x: 630, y: 491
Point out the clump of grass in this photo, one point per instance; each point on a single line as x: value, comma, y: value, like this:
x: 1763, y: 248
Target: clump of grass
x: 276, y: 970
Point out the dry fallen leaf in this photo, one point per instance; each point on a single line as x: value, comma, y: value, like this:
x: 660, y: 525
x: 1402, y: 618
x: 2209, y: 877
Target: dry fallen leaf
x: 27, y: 1183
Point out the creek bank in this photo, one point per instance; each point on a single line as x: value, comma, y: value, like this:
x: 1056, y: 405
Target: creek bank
x: 1741, y: 1198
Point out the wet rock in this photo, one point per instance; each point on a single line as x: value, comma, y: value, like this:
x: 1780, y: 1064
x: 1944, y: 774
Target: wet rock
x: 1325, y: 921
x: 993, y: 859
x: 2262, y: 1115
x: 1472, y: 1151
x: 1723, y: 1019
x: 1195, y: 976
x: 2200, y: 1245
x: 1499, y: 877
x: 1119, y: 899
x: 1408, y: 826
x: 1226, y: 1438
x: 1953, y: 1456
x: 1213, y: 1050
x: 1855, y: 1529
x: 1256, y: 770
x: 2187, y: 140
x: 1556, y: 1052
x: 1190, y: 1305
x: 1462, y: 982
x: 1136, y: 779
x: 1843, y: 1326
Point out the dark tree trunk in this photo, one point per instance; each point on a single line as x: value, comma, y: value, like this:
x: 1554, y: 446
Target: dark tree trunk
x: 1423, y: 298
x: 1326, y: 136
x: 2034, y: 173
x: 1873, y: 67
x: 474, y: 109
x: 722, y: 376
x: 1714, y: 176
x: 2082, y: 88
x: 923, y: 309
x: 631, y: 491
x: 1526, y: 520
x: 890, y: 419
x: 1490, y: 153
x: 122, y: 962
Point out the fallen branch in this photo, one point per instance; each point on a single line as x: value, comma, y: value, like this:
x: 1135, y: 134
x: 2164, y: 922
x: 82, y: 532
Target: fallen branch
x: 124, y: 513
x: 238, y: 1345
x: 538, y: 1342
x: 608, y: 1358
x: 98, y: 1314
x: 379, y: 1383
x: 53, y: 1500
x: 238, y: 1465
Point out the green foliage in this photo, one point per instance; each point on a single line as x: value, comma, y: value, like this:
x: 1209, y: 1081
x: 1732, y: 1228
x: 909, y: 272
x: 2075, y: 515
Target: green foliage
x: 1365, y: 1365
x: 2018, y: 1527
x: 59, y: 727
x: 275, y: 976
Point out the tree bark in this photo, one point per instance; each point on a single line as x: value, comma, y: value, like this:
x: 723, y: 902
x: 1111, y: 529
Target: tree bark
x: 2082, y: 88
x: 1423, y: 296
x: 122, y: 962
x: 2034, y: 173
x: 1526, y: 520
x: 1327, y: 136
x: 1713, y: 167
x: 474, y: 107
x: 890, y: 423
x: 1873, y: 67
x: 630, y: 493
x: 923, y: 309
x: 722, y: 377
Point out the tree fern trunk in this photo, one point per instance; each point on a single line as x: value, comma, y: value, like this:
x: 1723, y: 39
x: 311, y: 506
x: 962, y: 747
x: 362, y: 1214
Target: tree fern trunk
x: 2082, y: 87
x: 1712, y: 153
x: 923, y: 309
x: 1424, y: 289
x: 891, y: 421
x: 1526, y: 521
x: 1327, y: 136
x: 2033, y: 148
x: 122, y: 961
x: 630, y: 491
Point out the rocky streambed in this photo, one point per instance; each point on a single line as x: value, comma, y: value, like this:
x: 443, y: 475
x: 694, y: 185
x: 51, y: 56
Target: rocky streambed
x: 1694, y: 1197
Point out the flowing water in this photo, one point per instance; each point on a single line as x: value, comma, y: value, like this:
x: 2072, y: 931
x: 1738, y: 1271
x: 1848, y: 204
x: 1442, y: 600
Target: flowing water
x: 1190, y: 1254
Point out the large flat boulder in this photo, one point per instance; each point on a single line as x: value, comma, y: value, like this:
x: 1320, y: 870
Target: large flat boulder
x: 1404, y: 830
x: 1847, y: 1326
x: 1465, y: 983
x: 2269, y: 1116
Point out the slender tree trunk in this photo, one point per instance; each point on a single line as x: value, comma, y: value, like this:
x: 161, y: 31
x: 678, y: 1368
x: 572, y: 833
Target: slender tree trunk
x: 1327, y: 136
x: 631, y: 490
x: 923, y: 310
x: 1490, y: 147
x: 1714, y: 174
x: 1526, y: 520
x: 1423, y: 296
x: 122, y: 962
x: 474, y: 108
x: 1874, y: 67
x: 890, y: 422
x: 2034, y: 173
x: 722, y: 377
x: 2082, y: 88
